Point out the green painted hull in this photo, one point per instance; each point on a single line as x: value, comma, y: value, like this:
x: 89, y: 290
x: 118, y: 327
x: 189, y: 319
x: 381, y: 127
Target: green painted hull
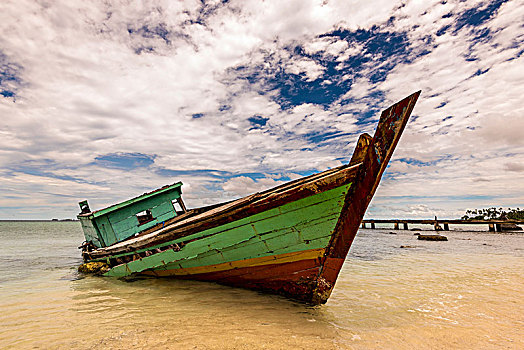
x: 306, y: 224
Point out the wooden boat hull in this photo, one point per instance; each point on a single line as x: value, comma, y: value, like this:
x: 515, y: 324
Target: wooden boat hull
x: 279, y: 250
x: 291, y: 240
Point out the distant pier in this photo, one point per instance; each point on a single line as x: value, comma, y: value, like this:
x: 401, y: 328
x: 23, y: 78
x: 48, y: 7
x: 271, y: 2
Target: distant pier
x: 439, y: 224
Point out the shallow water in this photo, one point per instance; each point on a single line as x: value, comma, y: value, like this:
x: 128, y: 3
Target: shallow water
x: 464, y: 293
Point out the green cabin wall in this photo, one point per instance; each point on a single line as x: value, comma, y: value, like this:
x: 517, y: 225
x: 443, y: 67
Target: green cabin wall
x: 105, y: 230
x: 119, y: 224
x: 90, y: 231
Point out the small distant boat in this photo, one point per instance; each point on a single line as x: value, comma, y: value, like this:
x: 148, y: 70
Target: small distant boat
x: 290, y: 240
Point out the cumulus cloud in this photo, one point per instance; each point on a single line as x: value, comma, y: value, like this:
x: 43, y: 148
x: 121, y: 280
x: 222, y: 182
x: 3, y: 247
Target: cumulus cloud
x: 105, y: 101
x: 243, y: 185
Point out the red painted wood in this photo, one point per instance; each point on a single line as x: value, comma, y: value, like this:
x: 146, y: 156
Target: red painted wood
x: 294, y: 279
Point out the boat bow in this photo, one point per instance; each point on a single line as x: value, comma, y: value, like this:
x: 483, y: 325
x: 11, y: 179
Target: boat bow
x: 375, y: 154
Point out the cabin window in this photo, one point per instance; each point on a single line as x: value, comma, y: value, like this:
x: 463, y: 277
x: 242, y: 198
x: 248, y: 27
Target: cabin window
x: 179, y: 205
x: 144, y: 217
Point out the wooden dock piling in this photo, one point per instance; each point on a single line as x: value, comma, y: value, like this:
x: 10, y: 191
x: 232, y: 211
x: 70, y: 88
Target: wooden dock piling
x: 493, y: 225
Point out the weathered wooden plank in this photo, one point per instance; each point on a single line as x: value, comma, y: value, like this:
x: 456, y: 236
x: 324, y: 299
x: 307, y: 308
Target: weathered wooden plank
x: 295, y: 279
x: 106, y: 231
x: 162, y: 209
x: 237, y: 264
x: 360, y: 150
x: 291, y: 214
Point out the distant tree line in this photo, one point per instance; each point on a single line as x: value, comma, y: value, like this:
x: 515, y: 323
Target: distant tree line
x: 494, y: 214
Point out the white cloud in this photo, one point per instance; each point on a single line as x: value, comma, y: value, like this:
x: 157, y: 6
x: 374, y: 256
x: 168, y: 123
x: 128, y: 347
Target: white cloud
x: 243, y: 185
x: 85, y: 92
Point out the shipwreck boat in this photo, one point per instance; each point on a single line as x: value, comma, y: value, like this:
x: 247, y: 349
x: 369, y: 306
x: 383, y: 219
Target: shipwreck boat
x: 290, y: 240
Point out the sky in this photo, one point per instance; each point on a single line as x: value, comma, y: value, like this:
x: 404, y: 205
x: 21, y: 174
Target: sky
x: 105, y: 100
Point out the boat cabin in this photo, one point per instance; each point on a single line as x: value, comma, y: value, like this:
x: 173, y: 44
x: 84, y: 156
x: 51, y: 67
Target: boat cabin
x: 118, y: 222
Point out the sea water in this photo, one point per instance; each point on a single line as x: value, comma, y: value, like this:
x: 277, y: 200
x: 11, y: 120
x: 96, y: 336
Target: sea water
x: 465, y: 293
